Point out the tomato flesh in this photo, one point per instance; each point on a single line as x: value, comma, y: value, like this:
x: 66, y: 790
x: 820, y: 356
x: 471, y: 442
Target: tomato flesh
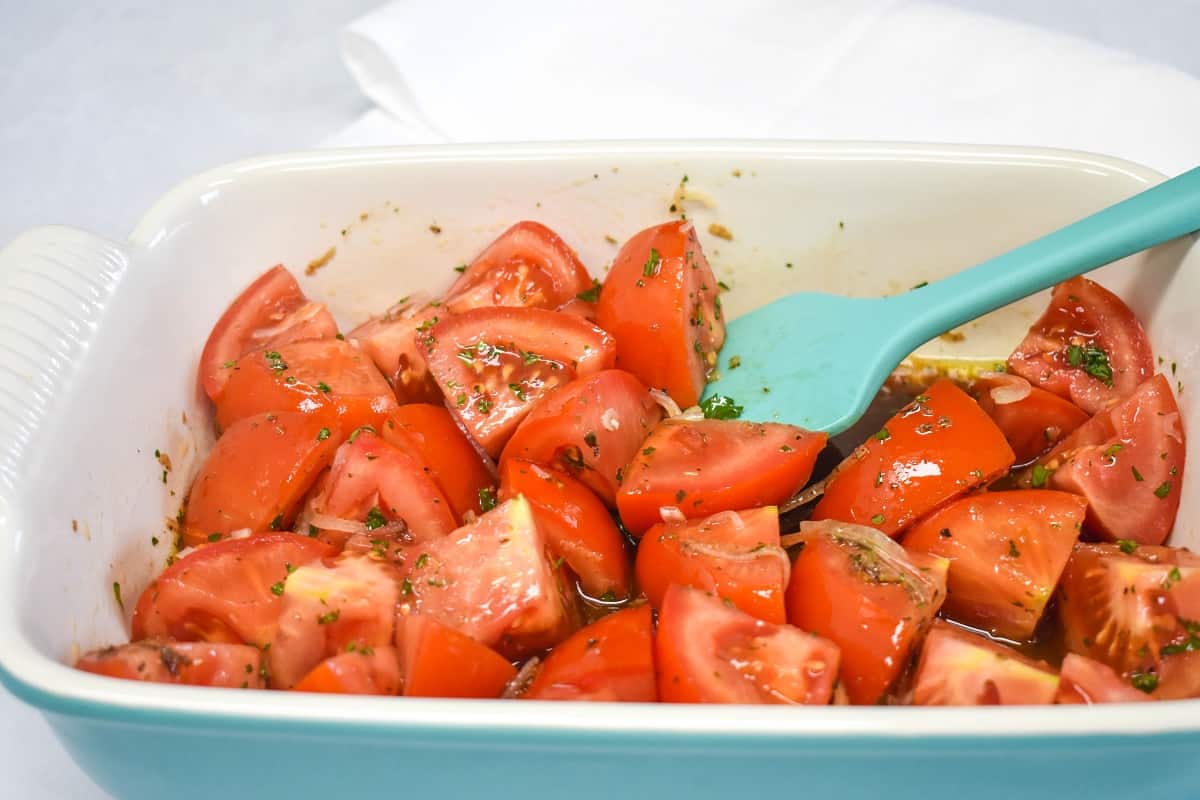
x: 1033, y: 424
x: 362, y: 671
x: 1085, y: 681
x: 232, y: 666
x: 958, y: 668
x: 611, y: 659
x: 442, y: 662
x: 390, y: 342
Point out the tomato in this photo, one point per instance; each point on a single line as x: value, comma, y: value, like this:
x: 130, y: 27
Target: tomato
x: 193, y: 663
x: 430, y: 434
x: 1128, y: 462
x: 319, y: 375
x: 709, y: 652
x: 611, y: 660
x: 223, y: 592
x: 858, y: 588
x: 590, y: 429
x: 378, y: 484
x: 494, y: 364
x: 1130, y: 610
x: 528, y: 265
x: 390, y: 342
x: 660, y: 300
x: 268, y: 313
x: 729, y: 466
x: 576, y: 525
x: 1087, y: 347
x: 1082, y: 680
x: 1033, y: 420
x: 735, y: 555
x: 370, y: 670
x: 958, y: 668
x: 936, y: 448
x: 441, y: 662
x: 491, y: 580
x: 1006, y: 551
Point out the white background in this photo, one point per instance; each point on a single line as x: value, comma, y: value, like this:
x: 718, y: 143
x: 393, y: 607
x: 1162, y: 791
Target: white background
x: 103, y: 106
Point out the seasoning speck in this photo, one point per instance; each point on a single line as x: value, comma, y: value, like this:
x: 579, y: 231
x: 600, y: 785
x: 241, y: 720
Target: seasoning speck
x: 720, y: 231
x: 320, y: 261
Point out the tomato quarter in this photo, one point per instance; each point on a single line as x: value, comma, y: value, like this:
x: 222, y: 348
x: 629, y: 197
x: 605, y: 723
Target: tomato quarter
x: 612, y: 660
x: 233, y: 666
x: 958, y: 668
x: 365, y: 671
x: 1033, y: 420
x: 390, y: 342
x: 441, y: 662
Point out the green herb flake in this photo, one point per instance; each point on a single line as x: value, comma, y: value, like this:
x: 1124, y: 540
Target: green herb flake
x: 1093, y: 360
x: 324, y: 387
x: 1127, y: 545
x: 882, y: 435
x: 322, y: 434
x: 517, y: 389
x: 720, y: 407
x: 375, y: 519
x: 1163, y: 490
x: 461, y: 399
x: 277, y: 522
x: 648, y: 451
x: 487, y: 499
x: 360, y: 429
x: 590, y: 295
x: 921, y: 285
x: 679, y: 495
x: 650, y: 268
x: 422, y: 560
x: 1137, y: 476
x: 277, y: 588
x: 461, y: 268
x: 1013, y: 552
x: 735, y: 362
x: 313, y: 530
x: 214, y: 537
x: 723, y: 286
x: 877, y: 519
x: 328, y: 617
x: 1112, y: 450
x: 117, y: 595
x: 406, y: 587
x: 1144, y: 681
x: 1039, y: 476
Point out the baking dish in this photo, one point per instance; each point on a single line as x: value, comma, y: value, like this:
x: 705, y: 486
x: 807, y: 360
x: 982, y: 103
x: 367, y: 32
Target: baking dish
x: 98, y: 347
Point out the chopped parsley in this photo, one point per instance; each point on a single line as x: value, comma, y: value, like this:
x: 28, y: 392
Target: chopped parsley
x: 484, y: 405
x: 590, y: 295
x: 461, y: 268
x: 328, y: 617
x: 1144, y: 681
x: 277, y: 588
x: 1137, y: 476
x: 487, y: 498
x: 517, y: 389
x: 1112, y: 450
x: 324, y: 387
x: 117, y: 595
x: 322, y: 434
x: 375, y: 519
x: 406, y: 586
x: 1040, y: 475
x: 877, y: 519
x: 720, y: 407
x: 422, y: 560
x: 1127, y: 545
x: 883, y: 434
x: 277, y: 522
x: 647, y: 451
x: 358, y: 430
x: 650, y: 268
x: 1163, y: 490
x: 735, y: 362
x: 214, y: 537
x: 1093, y: 360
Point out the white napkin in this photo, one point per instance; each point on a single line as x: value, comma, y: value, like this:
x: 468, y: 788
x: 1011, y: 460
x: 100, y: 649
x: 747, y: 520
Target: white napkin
x: 860, y: 69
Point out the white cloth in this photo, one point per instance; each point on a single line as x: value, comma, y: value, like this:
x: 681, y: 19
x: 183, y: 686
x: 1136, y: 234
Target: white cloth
x: 859, y: 69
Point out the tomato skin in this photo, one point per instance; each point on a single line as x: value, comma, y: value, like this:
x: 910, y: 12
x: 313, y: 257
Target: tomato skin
x: 572, y: 430
x: 1084, y: 681
x: 731, y: 465
x: 1006, y: 551
x: 270, y: 312
x: 610, y: 660
x: 222, y: 592
x: 528, y: 265
x: 1032, y: 425
x: 936, y: 448
x: 441, y: 662
x: 192, y: 663
x: 857, y: 588
x: 370, y: 671
x: 1084, y: 314
x: 320, y: 376
x: 958, y: 668
x: 576, y: 525
x: 708, y: 652
x: 390, y: 342
x: 734, y: 555
x: 664, y: 311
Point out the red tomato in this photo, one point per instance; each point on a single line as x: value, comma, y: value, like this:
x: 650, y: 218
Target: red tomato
x: 610, y: 660
x: 735, y: 555
x: 307, y: 376
x: 1006, y: 551
x: 494, y: 364
x: 193, y: 663
x: 660, y: 301
x: 492, y: 581
x: 729, y: 465
x: 1084, y: 681
x: 576, y: 525
x: 709, y: 652
x: 590, y: 429
x: 370, y: 670
x: 1128, y: 463
x: 861, y: 590
x: 958, y: 668
x: 528, y: 265
x: 441, y: 662
x: 936, y: 448
x: 1033, y: 420
x: 390, y: 342
x: 224, y: 592
x: 257, y: 473
x: 268, y: 313
x: 430, y: 434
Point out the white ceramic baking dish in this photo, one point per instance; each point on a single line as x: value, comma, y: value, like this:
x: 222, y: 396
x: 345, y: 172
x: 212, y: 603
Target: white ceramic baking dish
x: 98, y: 348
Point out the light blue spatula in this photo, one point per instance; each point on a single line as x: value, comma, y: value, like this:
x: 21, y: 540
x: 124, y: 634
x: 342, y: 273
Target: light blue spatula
x: 823, y: 357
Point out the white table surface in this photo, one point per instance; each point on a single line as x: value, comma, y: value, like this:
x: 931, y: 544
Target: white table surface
x: 105, y: 106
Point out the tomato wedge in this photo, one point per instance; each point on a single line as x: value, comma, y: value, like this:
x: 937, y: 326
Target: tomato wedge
x: 610, y: 660
x: 390, y: 342
x: 1006, y: 550
x: 268, y: 313
x: 590, y: 429
x: 528, y: 265
x: 936, y: 448
x: 1128, y: 462
x: 729, y: 465
x: 441, y: 662
x: 369, y: 670
x: 858, y: 588
x: 576, y: 525
x: 1084, y: 681
x: 708, y: 652
x: 734, y: 555
x: 1087, y: 347
x: 319, y: 375
x: 193, y: 663
x: 958, y: 668
x: 660, y: 301
x: 223, y: 592
x: 494, y: 364
x: 1032, y: 419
